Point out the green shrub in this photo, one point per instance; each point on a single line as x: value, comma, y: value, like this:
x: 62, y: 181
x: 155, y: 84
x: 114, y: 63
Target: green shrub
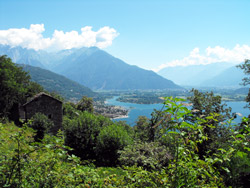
x: 111, y: 139
x: 69, y: 110
x: 41, y: 124
x: 81, y: 133
x: 85, y: 104
x: 150, y: 156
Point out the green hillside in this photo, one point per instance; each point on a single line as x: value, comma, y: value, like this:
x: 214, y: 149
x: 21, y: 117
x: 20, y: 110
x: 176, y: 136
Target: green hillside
x: 56, y: 83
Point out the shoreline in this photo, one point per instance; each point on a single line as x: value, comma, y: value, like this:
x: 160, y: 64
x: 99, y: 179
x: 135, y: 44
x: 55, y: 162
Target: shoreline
x: 120, y: 117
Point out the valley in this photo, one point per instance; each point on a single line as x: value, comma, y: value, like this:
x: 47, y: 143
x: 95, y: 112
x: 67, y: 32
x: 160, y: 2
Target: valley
x: 94, y: 73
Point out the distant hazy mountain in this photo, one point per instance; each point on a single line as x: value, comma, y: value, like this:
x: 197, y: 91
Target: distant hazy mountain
x: 242, y: 90
x: 231, y: 77
x: 194, y: 75
x: 99, y: 70
x: 31, y: 57
x: 57, y: 83
x: 24, y: 56
x: 91, y: 67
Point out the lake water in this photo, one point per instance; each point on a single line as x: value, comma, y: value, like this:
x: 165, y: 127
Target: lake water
x: 136, y: 110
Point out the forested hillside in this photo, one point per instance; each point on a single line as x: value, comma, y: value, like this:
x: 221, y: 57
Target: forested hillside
x: 53, y: 82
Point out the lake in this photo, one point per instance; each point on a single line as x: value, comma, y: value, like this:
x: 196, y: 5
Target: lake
x: 136, y: 110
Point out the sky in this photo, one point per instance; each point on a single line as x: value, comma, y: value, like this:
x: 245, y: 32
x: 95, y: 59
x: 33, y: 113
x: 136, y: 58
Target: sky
x: 151, y: 34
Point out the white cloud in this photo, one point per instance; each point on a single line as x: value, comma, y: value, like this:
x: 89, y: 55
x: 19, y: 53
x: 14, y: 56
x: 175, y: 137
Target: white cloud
x: 212, y: 55
x: 32, y: 38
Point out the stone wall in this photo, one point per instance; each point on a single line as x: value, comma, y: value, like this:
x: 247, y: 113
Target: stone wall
x: 48, y: 106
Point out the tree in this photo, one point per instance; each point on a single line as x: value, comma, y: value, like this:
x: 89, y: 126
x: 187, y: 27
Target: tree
x: 69, y: 110
x: 41, y: 124
x: 85, y: 104
x: 111, y: 139
x: 149, y: 129
x: 210, y: 107
x: 81, y: 133
x: 203, y: 104
x: 142, y: 129
x: 156, y: 124
x: 15, y: 87
x: 246, y: 81
x: 13, y: 84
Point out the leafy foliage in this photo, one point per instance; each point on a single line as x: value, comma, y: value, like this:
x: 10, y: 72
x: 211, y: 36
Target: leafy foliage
x: 24, y: 163
x: 46, y: 164
x: 187, y: 168
x: 246, y: 81
x: 150, y: 156
x: 210, y: 108
x: 149, y: 129
x: 81, y: 133
x: 142, y: 129
x: 111, y: 139
x: 15, y: 87
x: 195, y: 147
x: 41, y: 124
x: 85, y: 104
x: 69, y: 110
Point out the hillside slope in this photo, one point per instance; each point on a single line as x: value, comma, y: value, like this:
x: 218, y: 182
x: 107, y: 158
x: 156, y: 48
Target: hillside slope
x: 57, y: 83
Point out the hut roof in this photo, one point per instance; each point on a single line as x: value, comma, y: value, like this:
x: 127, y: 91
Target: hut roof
x: 40, y: 95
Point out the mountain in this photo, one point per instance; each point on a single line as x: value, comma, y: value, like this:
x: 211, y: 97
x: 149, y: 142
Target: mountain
x: 242, y: 90
x: 194, y: 75
x: 99, y: 70
x: 231, y: 77
x: 57, y: 83
x: 32, y: 57
x: 91, y: 67
x: 21, y: 55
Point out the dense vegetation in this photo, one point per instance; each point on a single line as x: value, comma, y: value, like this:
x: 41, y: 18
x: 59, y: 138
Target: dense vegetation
x: 176, y: 147
x: 15, y: 87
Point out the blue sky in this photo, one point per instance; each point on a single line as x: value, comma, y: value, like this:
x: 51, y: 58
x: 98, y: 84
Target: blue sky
x: 151, y: 34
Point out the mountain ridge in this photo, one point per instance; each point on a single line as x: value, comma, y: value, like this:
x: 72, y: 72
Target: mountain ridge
x: 112, y: 72
x: 91, y: 67
x: 231, y: 77
x: 199, y: 75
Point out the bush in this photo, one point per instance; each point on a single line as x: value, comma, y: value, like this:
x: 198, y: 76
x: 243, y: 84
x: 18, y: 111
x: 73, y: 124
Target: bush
x: 44, y: 164
x: 81, y: 133
x: 41, y: 124
x: 70, y: 111
x: 150, y: 156
x: 109, y: 141
x: 85, y: 104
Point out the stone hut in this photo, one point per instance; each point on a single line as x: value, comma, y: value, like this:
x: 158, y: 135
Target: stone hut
x: 45, y: 104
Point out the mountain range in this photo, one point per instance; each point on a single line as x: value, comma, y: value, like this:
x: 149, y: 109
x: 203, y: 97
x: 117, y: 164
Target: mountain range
x: 98, y: 70
x: 91, y: 67
x: 221, y: 74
